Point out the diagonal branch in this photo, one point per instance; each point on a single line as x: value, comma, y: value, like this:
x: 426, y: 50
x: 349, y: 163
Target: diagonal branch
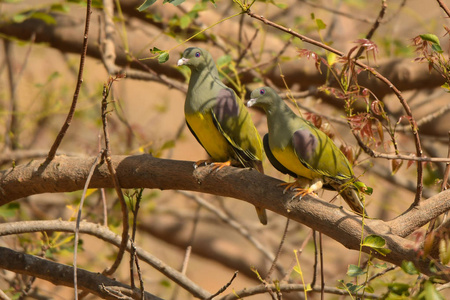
x: 66, y: 174
x: 60, y: 274
x: 65, y: 127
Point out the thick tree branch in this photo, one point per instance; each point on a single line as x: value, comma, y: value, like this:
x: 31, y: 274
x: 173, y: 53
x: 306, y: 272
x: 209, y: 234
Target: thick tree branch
x: 60, y: 274
x: 66, y: 174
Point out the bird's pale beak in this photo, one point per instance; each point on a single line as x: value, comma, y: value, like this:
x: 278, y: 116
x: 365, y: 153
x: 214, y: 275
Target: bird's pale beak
x: 182, y: 61
x: 251, y: 102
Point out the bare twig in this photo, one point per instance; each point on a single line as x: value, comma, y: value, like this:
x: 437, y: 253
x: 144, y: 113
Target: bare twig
x: 280, y: 247
x: 374, y: 26
x: 65, y: 127
x: 115, y: 179
x: 224, y: 287
x: 133, y: 258
x: 444, y: 7
x: 11, y: 138
x: 80, y: 207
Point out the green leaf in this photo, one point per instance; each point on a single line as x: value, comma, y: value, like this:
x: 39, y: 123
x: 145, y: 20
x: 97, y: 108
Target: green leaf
x: 399, y: 288
x: 380, y: 266
x: 409, y: 268
x: 155, y: 50
x: 48, y: 19
x: 446, y: 87
x: 374, y: 241
x: 9, y: 210
x: 165, y: 283
x: 60, y: 7
x: 369, y: 289
x: 429, y: 37
x: 19, y: 18
x: 354, y: 271
x: 430, y: 293
x: 437, y: 48
x: 185, y: 20
x: 320, y: 24
x: 163, y: 57
x: 145, y: 5
x: 174, y: 2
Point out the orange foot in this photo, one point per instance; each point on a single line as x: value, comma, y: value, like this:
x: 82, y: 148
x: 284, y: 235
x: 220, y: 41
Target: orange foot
x: 300, y: 192
x: 219, y: 165
x: 289, y: 186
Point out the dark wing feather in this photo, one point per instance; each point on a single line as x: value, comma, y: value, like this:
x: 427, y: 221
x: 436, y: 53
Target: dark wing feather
x: 275, y: 163
x: 226, y: 108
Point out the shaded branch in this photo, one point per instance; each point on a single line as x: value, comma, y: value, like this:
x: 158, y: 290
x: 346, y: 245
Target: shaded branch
x: 66, y: 174
x: 60, y: 274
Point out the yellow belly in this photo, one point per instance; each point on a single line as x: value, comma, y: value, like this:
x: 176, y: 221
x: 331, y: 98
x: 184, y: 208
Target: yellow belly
x: 289, y: 160
x: 208, y: 135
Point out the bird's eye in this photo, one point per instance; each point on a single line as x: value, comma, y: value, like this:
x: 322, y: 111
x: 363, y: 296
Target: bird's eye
x: 197, y: 54
x: 262, y: 91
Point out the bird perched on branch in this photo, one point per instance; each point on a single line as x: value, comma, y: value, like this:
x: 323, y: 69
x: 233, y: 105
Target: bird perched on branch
x: 218, y: 119
x: 296, y: 147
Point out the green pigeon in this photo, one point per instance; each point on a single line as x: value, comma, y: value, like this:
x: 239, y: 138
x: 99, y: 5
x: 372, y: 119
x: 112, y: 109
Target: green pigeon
x: 296, y: 147
x: 218, y: 118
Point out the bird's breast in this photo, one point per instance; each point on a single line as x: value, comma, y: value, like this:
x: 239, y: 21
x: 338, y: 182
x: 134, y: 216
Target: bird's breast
x: 209, y: 136
x: 287, y: 157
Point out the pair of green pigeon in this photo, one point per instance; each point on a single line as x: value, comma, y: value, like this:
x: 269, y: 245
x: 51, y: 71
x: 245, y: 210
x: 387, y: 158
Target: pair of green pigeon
x: 222, y: 125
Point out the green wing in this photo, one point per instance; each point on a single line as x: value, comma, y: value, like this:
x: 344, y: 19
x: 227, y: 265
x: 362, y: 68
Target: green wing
x: 234, y: 122
x: 318, y: 152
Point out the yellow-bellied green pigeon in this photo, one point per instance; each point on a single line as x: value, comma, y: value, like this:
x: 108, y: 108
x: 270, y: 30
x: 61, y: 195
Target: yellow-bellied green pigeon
x: 218, y: 119
x: 296, y: 147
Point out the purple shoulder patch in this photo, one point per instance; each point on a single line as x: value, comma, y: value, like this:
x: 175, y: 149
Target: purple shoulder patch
x: 304, y: 143
x: 226, y: 105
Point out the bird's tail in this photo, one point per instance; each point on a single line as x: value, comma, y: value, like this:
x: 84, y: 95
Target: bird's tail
x: 353, y: 193
x: 262, y: 215
x: 354, y: 199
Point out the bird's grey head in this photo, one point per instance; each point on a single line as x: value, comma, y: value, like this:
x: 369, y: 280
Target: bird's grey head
x: 196, y: 58
x: 263, y: 97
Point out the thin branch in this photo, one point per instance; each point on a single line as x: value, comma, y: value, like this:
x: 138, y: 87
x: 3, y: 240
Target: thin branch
x: 117, y: 186
x: 65, y: 127
x: 289, y: 287
x: 222, y: 289
x: 444, y: 7
x: 80, y: 208
x: 375, y: 26
x: 280, y: 247
x: 108, y: 236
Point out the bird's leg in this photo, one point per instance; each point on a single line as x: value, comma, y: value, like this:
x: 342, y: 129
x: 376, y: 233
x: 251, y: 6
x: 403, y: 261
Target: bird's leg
x: 299, y: 183
x: 316, y: 184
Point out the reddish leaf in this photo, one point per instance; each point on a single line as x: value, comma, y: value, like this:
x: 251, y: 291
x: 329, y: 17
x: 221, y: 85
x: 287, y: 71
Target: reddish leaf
x: 395, y: 165
x: 410, y: 163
